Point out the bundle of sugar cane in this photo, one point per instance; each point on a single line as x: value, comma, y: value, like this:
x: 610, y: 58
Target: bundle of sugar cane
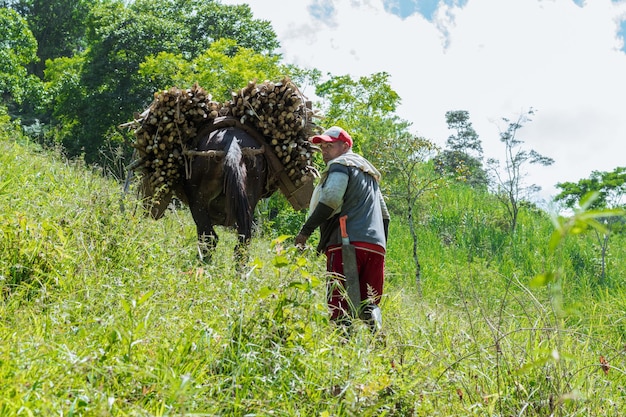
x: 168, y: 127
x: 164, y: 131
x: 281, y: 114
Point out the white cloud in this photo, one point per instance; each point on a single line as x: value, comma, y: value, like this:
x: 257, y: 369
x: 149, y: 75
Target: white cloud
x: 492, y: 58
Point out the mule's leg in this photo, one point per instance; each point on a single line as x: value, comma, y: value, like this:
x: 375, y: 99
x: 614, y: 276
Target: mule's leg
x: 245, y: 219
x: 245, y: 225
x: 241, y: 249
x: 207, y: 243
x: 207, y: 238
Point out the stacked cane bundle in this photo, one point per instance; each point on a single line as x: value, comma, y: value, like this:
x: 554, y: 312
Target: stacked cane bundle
x: 166, y: 130
x: 279, y: 112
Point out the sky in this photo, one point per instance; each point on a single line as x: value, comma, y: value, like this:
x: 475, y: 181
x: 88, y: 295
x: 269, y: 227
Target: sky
x: 496, y: 59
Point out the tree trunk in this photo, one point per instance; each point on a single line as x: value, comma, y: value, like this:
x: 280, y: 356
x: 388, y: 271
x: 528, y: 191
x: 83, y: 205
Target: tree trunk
x: 418, y: 279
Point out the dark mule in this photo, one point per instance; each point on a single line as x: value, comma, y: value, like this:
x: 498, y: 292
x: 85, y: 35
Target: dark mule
x: 224, y: 189
x: 226, y: 176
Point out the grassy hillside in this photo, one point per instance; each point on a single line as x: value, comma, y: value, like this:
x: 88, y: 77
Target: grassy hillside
x: 104, y: 312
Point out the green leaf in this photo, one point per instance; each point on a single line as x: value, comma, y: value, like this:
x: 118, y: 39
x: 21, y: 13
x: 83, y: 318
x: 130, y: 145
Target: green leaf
x: 126, y: 306
x: 587, y: 200
x: 114, y: 336
x: 257, y: 264
x: 280, y: 261
x: 544, y: 279
x: 280, y: 239
x: 532, y: 366
x: 266, y: 292
x: 145, y: 297
x: 299, y: 285
x: 4, y: 185
x: 555, y: 239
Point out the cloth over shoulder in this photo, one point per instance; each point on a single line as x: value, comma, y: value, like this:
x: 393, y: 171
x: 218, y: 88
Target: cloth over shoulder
x: 349, y: 159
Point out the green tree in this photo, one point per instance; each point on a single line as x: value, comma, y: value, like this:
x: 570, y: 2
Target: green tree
x: 403, y: 157
x: 120, y: 37
x: 508, y: 180
x: 59, y: 27
x: 463, y: 154
x: 466, y: 139
x: 18, y: 49
x: 610, y: 186
x: 363, y: 106
x: 66, y: 94
x: 217, y: 70
x: 608, y: 190
x: 211, y: 21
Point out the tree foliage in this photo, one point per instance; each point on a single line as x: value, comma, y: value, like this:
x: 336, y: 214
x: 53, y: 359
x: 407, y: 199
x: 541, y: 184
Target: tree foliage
x: 404, y: 157
x: 466, y: 139
x: 609, y: 186
x: 508, y: 180
x: 217, y: 70
x: 462, y: 157
x: 602, y: 193
x: 58, y: 26
x: 18, y: 48
x: 363, y: 106
x: 118, y: 72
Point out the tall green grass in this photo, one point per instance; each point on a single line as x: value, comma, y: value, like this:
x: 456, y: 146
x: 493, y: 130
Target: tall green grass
x: 105, y: 312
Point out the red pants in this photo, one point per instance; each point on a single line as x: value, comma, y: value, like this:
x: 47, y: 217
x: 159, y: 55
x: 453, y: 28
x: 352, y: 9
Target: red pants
x: 370, y: 261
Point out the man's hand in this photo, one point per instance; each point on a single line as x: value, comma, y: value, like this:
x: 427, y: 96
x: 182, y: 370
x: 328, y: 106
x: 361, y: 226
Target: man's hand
x: 300, y: 241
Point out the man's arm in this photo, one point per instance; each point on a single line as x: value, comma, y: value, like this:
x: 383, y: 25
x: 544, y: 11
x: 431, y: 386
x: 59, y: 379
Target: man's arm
x: 331, y: 198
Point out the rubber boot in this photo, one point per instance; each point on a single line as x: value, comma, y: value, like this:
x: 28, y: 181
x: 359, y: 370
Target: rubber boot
x: 373, y: 317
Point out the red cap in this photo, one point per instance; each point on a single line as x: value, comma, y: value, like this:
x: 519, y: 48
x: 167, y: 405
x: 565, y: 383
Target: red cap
x: 334, y: 134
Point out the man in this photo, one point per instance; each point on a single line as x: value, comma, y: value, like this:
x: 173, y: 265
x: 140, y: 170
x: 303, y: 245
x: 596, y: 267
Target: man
x: 349, y: 186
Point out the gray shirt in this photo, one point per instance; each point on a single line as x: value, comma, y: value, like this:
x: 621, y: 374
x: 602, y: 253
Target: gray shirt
x: 354, y: 193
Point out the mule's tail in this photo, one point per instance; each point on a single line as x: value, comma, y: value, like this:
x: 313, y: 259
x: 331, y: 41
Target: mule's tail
x: 237, y: 202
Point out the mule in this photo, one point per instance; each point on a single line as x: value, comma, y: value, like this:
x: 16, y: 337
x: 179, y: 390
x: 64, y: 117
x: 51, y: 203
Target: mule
x: 227, y: 174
